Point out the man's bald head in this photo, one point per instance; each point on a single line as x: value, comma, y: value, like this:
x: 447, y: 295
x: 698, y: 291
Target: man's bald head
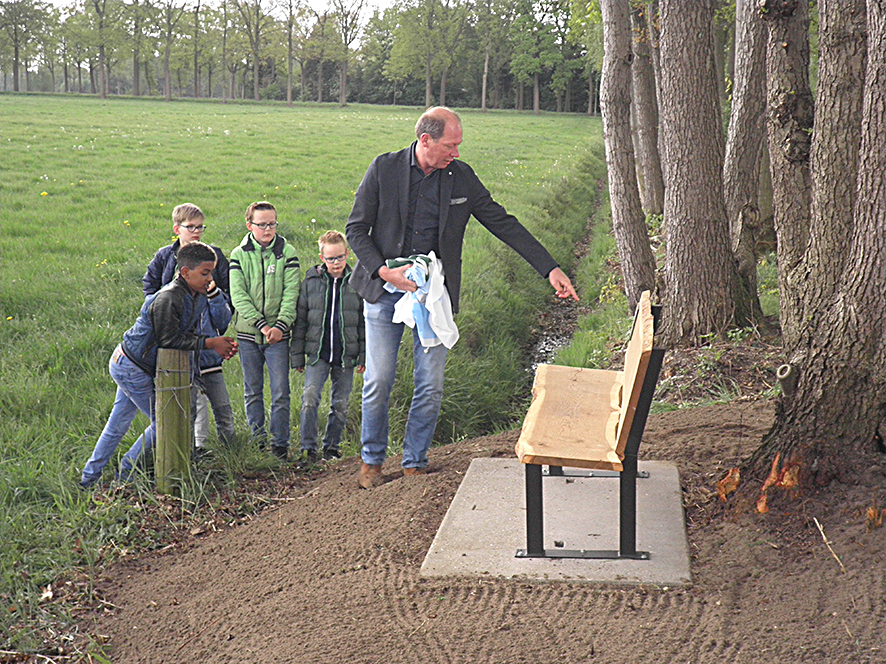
x: 433, y: 122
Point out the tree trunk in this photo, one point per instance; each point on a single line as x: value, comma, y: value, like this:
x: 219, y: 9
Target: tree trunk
x: 485, y: 79
x: 828, y: 428
x: 702, y: 288
x: 835, y: 144
x: 343, y: 83
x: 744, y: 144
x: 790, y: 110
x: 643, y: 81
x: 628, y: 222
x: 536, y: 105
x: 443, y: 77
x: 428, y: 92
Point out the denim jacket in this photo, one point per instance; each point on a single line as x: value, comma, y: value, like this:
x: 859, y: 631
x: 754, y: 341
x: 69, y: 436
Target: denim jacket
x: 168, y: 319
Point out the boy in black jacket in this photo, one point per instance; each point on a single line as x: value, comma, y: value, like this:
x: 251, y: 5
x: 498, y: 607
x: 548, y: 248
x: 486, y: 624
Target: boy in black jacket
x: 329, y: 331
x: 168, y: 319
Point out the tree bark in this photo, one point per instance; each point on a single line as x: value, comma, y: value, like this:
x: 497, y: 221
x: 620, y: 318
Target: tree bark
x: 646, y: 104
x: 835, y: 145
x: 744, y: 144
x: 628, y: 222
x: 828, y: 428
x: 790, y: 110
x: 702, y: 290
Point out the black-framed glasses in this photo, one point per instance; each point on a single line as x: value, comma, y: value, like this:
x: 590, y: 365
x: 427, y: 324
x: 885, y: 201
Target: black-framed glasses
x: 266, y: 227
x: 194, y: 229
x: 335, y: 259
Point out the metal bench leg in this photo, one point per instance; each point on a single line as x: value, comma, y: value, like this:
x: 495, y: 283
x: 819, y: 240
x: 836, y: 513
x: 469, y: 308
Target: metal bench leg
x: 534, y: 512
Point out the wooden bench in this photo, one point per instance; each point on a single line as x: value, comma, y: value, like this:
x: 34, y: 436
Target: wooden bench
x: 591, y: 418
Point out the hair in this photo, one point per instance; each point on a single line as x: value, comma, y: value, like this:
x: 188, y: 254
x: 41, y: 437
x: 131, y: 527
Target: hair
x: 192, y: 255
x: 260, y: 205
x: 331, y: 237
x: 433, y: 122
x: 186, y: 212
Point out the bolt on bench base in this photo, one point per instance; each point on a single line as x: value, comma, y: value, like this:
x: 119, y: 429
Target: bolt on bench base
x: 582, y: 553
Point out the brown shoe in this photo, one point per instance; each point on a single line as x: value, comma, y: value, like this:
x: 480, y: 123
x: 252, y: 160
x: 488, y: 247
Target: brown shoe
x: 370, y: 476
x: 414, y: 471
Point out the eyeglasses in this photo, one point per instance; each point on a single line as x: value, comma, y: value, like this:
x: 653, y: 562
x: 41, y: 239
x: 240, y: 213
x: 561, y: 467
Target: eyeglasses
x: 266, y: 227
x: 194, y: 229
x: 334, y: 259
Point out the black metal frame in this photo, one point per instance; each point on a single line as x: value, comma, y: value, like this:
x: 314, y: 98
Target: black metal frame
x: 627, y: 490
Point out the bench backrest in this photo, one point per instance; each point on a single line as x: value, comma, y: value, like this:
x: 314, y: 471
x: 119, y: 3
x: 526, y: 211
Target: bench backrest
x: 636, y: 363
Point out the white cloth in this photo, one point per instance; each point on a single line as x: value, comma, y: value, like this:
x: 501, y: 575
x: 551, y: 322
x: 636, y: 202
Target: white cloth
x: 428, y: 309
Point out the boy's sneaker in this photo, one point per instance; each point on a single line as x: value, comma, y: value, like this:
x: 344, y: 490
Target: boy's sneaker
x: 330, y: 454
x: 308, y: 460
x: 280, y: 451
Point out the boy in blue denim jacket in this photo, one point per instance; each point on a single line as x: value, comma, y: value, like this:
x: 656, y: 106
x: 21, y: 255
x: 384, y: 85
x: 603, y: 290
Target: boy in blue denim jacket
x: 168, y: 319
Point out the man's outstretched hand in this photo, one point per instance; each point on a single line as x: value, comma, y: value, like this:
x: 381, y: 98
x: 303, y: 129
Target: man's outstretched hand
x: 562, y: 285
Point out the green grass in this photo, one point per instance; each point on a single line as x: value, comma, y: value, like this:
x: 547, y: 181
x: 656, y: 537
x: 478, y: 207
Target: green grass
x: 87, y: 188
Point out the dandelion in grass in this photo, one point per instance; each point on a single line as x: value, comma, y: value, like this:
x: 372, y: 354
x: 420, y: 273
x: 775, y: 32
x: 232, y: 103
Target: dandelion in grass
x: 9, y: 318
x: 44, y: 193
x: 126, y: 223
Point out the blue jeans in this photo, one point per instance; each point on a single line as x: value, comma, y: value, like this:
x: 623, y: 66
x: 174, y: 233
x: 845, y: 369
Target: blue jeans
x: 213, y: 386
x: 315, y: 378
x: 382, y: 343
x: 253, y: 358
x: 135, y: 392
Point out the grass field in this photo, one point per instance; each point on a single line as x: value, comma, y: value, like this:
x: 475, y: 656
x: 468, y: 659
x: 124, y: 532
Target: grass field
x: 87, y: 188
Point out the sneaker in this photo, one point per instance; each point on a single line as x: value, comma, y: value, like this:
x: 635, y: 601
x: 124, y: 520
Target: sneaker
x: 308, y: 460
x: 330, y: 454
x: 280, y: 451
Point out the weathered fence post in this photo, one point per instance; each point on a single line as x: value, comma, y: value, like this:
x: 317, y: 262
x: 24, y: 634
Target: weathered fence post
x: 172, y: 456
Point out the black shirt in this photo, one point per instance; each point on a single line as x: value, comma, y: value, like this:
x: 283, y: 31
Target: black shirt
x: 423, y: 222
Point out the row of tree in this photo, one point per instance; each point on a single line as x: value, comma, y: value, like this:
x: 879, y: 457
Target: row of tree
x: 457, y: 52
x: 824, y: 152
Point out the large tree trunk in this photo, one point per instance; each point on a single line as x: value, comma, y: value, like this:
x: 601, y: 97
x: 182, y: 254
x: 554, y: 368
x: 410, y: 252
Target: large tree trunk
x: 835, y: 144
x: 702, y: 289
x: 643, y: 81
x: 790, y: 138
x: 628, y: 222
x: 744, y: 143
x: 828, y: 428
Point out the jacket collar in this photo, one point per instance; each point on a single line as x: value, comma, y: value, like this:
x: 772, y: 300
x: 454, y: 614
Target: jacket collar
x: 251, y: 244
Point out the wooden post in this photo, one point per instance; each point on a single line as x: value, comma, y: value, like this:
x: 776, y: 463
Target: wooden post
x: 172, y: 457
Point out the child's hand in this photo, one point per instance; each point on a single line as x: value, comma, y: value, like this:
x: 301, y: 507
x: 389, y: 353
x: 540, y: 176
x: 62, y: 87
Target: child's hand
x: 273, y: 335
x: 224, y: 346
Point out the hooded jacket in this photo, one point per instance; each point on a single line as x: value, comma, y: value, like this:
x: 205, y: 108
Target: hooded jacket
x: 264, y: 287
x: 313, y: 319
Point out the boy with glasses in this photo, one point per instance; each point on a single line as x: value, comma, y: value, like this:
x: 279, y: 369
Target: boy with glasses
x: 329, y: 331
x: 188, y: 226
x: 265, y: 280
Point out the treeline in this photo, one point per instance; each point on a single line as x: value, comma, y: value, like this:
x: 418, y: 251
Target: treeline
x: 530, y: 54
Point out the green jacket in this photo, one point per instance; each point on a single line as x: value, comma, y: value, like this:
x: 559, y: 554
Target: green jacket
x: 313, y: 317
x: 264, y: 287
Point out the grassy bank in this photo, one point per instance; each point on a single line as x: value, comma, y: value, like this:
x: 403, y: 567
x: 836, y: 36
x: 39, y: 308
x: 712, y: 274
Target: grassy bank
x: 87, y: 189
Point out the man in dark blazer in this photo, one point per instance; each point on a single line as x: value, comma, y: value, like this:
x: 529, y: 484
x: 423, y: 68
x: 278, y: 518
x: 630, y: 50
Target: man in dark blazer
x: 416, y: 201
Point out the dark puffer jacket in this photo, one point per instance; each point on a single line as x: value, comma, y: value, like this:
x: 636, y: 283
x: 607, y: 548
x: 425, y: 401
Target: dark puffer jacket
x: 312, y: 318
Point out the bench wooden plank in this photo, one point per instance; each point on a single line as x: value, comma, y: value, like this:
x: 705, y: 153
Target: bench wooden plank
x: 581, y: 418
x: 573, y: 418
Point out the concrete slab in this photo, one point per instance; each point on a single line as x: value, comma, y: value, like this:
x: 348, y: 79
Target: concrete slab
x: 486, y: 524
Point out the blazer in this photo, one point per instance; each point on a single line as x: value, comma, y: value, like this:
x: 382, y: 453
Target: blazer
x: 377, y: 224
